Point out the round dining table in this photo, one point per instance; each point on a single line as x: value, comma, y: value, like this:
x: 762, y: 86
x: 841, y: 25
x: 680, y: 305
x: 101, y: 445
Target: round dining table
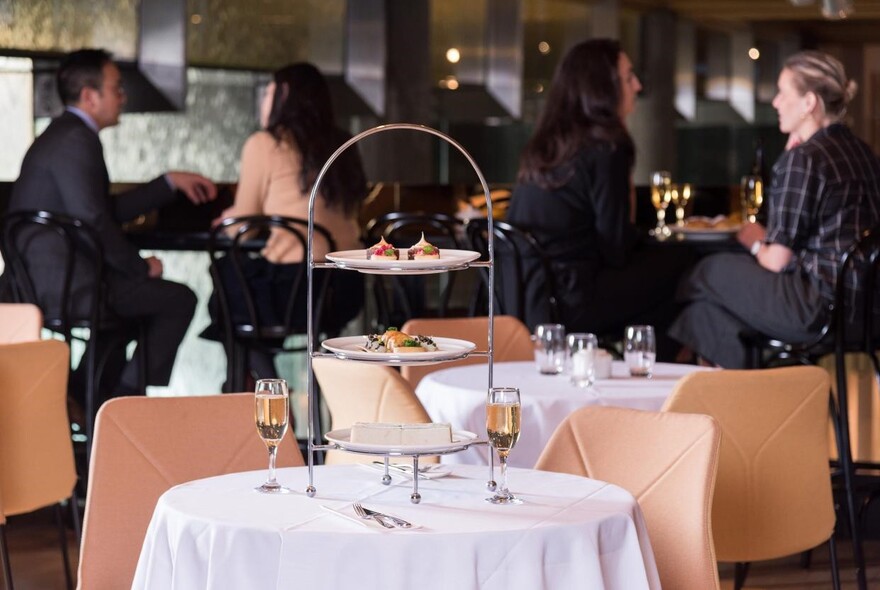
x: 570, y: 532
x: 457, y: 395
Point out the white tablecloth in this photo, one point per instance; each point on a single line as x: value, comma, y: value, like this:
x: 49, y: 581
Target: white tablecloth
x: 458, y: 395
x: 570, y: 532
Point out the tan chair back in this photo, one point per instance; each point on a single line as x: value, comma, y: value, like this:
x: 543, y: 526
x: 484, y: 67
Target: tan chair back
x: 668, y: 462
x: 20, y: 322
x: 773, y: 494
x: 146, y: 445
x: 36, y: 454
x: 512, y: 340
x: 361, y: 392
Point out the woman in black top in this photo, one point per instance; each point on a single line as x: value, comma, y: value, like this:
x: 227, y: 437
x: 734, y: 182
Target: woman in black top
x: 575, y: 195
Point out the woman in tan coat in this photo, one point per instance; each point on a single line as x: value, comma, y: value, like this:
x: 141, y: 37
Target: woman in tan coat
x: 279, y: 165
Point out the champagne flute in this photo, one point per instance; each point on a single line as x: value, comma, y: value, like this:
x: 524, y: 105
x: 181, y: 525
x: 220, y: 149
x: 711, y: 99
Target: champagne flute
x: 661, y: 195
x: 503, y: 425
x: 752, y: 195
x: 272, y: 414
x: 680, y: 200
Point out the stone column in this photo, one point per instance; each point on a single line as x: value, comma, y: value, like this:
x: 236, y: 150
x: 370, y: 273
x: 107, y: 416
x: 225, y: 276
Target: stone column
x: 653, y: 124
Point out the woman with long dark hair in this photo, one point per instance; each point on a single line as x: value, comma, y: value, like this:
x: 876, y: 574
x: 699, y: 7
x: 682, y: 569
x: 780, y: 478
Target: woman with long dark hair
x: 279, y: 165
x: 575, y: 196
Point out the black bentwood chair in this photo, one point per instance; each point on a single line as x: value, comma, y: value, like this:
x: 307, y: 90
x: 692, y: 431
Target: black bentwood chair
x: 853, y: 326
x: 398, y: 299
x: 519, y: 262
x: 27, y: 238
x: 247, y: 301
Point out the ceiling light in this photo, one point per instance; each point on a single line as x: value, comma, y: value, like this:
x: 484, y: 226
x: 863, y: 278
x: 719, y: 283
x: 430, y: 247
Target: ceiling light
x: 754, y: 53
x: 837, y: 9
x: 544, y: 47
x: 453, y: 55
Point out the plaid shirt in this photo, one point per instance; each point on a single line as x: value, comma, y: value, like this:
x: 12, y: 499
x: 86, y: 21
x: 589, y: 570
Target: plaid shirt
x: 825, y: 193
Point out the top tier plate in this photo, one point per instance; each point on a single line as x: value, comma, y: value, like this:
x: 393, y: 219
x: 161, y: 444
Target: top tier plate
x: 449, y: 260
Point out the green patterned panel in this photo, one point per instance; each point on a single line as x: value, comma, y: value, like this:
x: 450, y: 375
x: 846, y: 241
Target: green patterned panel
x: 64, y: 25
x: 265, y: 34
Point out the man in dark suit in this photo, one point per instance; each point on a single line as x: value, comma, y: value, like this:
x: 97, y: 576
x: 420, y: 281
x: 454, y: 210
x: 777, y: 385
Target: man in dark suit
x: 64, y: 172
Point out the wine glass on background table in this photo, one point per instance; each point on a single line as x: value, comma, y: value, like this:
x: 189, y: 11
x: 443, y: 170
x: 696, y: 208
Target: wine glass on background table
x: 680, y: 197
x: 661, y: 195
x: 272, y: 416
x: 503, y: 420
x: 752, y: 195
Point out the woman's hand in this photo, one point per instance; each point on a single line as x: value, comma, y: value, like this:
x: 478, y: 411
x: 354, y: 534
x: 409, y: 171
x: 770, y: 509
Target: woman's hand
x: 750, y: 233
x: 773, y: 257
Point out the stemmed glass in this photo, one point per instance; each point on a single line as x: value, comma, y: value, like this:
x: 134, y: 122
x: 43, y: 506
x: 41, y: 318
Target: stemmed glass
x: 680, y: 197
x: 661, y: 195
x: 272, y: 414
x: 503, y: 425
x: 752, y: 195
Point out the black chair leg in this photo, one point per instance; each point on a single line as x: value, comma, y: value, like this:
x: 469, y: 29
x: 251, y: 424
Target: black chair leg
x: 4, y: 557
x: 740, y: 571
x: 141, y: 353
x: 74, y: 516
x: 91, y: 361
x: 835, y: 572
x: 239, y: 367
x: 844, y: 453
x: 62, y: 535
x: 806, y: 559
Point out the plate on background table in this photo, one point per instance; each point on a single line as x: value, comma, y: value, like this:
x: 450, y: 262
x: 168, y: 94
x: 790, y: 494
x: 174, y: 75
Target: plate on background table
x: 449, y: 260
x: 461, y: 439
x: 351, y: 347
x: 705, y: 228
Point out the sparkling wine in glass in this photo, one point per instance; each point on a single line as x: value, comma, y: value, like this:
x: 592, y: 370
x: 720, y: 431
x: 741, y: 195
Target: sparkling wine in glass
x: 503, y: 419
x: 661, y: 195
x: 752, y: 194
x: 680, y: 197
x: 272, y: 415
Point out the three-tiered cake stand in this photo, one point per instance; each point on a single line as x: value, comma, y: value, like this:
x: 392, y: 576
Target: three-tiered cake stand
x: 461, y: 440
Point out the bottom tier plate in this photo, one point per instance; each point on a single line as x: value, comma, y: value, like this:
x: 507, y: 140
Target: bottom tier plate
x: 461, y: 439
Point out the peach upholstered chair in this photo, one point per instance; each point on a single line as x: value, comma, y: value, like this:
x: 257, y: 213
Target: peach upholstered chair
x: 361, y: 392
x: 143, y: 447
x: 20, y: 322
x: 36, y: 454
x: 512, y: 340
x: 773, y: 493
x: 668, y: 462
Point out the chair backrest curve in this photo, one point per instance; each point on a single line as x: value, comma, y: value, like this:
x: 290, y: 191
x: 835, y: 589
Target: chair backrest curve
x: 144, y: 446
x: 668, y: 462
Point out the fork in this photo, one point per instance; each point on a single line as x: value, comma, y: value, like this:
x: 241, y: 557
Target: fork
x: 380, y: 517
x: 360, y: 511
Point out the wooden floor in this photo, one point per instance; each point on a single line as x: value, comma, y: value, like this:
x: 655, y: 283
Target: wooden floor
x: 36, y: 561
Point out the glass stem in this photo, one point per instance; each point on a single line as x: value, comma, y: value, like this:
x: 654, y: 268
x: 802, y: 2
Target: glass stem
x: 661, y: 217
x: 272, y: 450
x: 503, y: 460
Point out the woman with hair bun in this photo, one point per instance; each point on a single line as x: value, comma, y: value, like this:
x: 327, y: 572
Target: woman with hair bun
x: 825, y: 193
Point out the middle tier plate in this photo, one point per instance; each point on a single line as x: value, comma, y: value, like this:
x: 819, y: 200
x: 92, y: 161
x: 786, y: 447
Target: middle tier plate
x: 351, y: 348
x: 449, y: 260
